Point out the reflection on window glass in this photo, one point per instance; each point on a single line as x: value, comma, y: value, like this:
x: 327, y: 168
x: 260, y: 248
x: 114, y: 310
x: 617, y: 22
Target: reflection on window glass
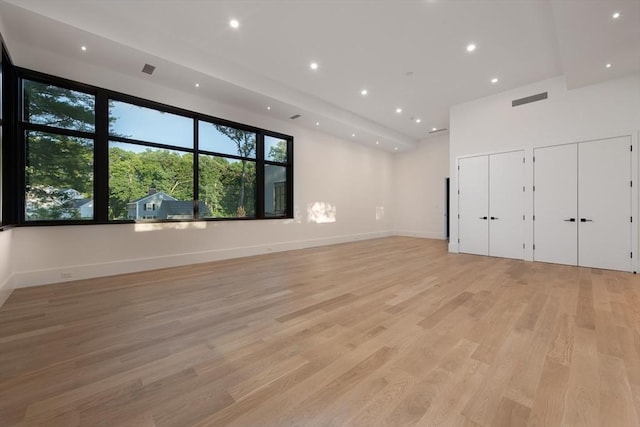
x: 275, y: 190
x: 275, y: 149
x: 59, y: 177
x: 226, y: 140
x: 50, y: 105
x: 146, y: 124
x: 149, y: 183
x: 227, y: 187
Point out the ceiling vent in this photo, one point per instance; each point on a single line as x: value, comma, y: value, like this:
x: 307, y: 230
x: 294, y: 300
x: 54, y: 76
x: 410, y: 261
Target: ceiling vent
x: 438, y: 130
x: 529, y: 99
x: 295, y: 116
x: 148, y: 69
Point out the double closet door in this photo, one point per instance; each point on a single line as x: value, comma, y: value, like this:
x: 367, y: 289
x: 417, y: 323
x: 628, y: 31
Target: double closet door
x: 582, y: 204
x: 491, y: 205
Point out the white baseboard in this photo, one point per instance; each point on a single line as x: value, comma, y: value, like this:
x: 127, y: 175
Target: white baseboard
x: 453, y: 247
x: 427, y: 235
x: 23, y: 279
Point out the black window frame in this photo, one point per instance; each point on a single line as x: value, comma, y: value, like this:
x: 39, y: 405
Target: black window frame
x: 14, y: 201
x: 9, y: 147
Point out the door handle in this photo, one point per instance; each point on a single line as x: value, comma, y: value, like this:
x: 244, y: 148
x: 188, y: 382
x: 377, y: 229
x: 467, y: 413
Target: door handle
x: 482, y: 217
x: 585, y: 220
x: 494, y: 217
x: 570, y: 220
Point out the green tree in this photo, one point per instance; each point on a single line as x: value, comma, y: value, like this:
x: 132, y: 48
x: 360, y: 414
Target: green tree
x: 132, y: 175
x: 246, y: 144
x: 278, y: 152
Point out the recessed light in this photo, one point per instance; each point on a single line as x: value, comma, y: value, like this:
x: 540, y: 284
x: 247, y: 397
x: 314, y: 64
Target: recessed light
x: 317, y: 123
x: 84, y: 48
x: 364, y: 92
x: 434, y: 129
x: 608, y: 65
x: 353, y: 135
x: 268, y: 107
x: 396, y: 148
x: 313, y: 65
x: 234, y: 23
x: 616, y: 15
x: 418, y: 120
x: 494, y: 80
x: 197, y: 84
x: 398, y: 110
x: 471, y: 47
x: 377, y: 142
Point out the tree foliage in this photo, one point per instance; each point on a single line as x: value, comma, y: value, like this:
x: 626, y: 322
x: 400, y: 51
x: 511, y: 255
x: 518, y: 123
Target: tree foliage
x: 278, y: 152
x: 246, y: 145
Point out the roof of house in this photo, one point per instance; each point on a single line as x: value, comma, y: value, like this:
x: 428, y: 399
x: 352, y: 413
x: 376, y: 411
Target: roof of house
x: 164, y: 195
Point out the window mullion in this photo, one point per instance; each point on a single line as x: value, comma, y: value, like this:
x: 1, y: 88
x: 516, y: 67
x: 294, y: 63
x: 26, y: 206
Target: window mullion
x: 101, y: 158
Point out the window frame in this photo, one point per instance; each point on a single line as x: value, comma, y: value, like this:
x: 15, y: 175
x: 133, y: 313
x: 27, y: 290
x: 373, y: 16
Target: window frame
x: 101, y: 138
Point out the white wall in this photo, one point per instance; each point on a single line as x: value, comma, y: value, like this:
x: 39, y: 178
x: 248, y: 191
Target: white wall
x: 5, y: 265
x: 342, y: 193
x: 419, y: 189
x: 491, y: 125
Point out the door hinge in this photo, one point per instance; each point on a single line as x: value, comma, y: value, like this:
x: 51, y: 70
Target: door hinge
x: 523, y: 188
x: 458, y: 167
x: 458, y: 191
x: 534, y: 188
x: 523, y: 217
x: 458, y: 216
x: 534, y: 217
x: 630, y: 183
x: 523, y: 160
x: 458, y: 240
x: 534, y: 247
x: 523, y: 246
x: 631, y: 255
x: 631, y: 148
x: 630, y: 219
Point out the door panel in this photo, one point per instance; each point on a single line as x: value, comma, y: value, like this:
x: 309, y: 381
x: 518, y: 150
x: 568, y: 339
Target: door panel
x: 556, y: 202
x: 604, y: 194
x: 506, y: 205
x: 473, y: 205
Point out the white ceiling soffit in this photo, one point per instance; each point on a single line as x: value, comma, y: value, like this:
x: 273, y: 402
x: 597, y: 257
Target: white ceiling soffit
x: 407, y: 54
x: 589, y: 38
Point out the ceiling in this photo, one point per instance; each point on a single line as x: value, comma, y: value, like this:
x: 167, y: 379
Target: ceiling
x: 407, y: 54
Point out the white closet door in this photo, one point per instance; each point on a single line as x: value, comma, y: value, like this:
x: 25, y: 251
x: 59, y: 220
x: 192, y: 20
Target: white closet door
x: 604, y: 194
x: 473, y: 205
x: 506, y: 205
x: 556, y: 204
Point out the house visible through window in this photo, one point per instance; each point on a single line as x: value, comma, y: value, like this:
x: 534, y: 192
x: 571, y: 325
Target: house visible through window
x: 279, y: 197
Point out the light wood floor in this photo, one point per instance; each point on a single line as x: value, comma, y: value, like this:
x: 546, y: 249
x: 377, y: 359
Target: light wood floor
x: 389, y: 332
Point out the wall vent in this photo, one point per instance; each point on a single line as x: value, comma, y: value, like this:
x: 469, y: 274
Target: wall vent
x: 438, y: 130
x: 295, y: 116
x: 529, y: 99
x: 148, y: 69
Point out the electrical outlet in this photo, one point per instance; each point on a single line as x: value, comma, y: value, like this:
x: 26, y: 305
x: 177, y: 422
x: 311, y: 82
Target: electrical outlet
x: 66, y: 275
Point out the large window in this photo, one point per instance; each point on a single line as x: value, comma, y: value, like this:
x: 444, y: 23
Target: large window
x: 89, y: 155
x: 58, y: 134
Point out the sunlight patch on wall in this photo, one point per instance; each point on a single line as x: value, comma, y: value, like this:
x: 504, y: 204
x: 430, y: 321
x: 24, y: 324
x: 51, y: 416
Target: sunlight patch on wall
x: 158, y: 226
x: 321, y: 213
x: 379, y: 213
